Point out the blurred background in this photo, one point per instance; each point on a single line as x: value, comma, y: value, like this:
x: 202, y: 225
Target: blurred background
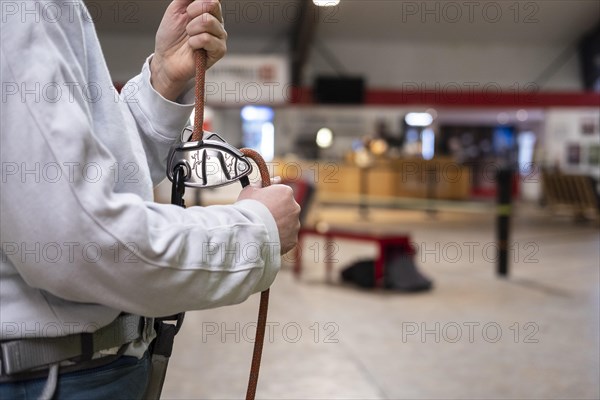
x: 447, y: 157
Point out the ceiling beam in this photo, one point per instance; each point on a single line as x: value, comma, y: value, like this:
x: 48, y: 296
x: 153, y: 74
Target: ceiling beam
x: 302, y: 37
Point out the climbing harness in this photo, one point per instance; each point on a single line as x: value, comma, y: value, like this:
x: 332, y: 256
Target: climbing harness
x: 204, y: 160
x: 37, y: 358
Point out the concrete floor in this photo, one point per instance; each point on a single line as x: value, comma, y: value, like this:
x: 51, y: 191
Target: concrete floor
x: 474, y: 336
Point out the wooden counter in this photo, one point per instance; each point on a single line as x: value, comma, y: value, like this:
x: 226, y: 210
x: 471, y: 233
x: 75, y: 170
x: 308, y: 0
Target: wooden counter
x: 416, y: 178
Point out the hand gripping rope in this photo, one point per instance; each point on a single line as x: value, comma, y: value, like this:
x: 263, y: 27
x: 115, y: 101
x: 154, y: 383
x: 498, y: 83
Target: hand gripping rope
x: 209, y: 162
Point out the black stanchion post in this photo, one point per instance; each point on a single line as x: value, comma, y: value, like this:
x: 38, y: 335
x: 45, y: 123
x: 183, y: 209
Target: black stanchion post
x: 503, y: 212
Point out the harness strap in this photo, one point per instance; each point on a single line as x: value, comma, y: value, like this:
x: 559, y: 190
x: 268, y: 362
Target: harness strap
x: 25, y: 354
x: 162, y: 348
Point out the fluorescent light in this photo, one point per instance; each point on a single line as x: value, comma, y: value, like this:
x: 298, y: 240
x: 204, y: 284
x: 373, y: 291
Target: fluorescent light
x: 324, y: 138
x: 267, y: 141
x: 428, y: 143
x: 326, y: 3
x: 257, y: 113
x: 418, y: 119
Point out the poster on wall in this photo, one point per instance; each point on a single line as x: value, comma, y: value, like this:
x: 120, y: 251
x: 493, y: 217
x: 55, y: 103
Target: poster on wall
x: 248, y: 79
x: 594, y: 155
x: 589, y: 126
x: 573, y: 154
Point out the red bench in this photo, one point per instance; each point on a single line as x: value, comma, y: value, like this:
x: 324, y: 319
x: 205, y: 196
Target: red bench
x: 383, y: 240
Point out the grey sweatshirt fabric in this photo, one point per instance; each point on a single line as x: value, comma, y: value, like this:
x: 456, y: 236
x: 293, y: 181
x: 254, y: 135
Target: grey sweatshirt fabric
x: 82, y: 239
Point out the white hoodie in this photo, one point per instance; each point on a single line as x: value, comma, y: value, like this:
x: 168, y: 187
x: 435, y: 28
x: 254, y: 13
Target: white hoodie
x: 82, y: 239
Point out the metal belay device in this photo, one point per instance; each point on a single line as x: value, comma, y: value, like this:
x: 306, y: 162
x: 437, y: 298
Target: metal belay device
x: 205, y: 160
x: 210, y: 162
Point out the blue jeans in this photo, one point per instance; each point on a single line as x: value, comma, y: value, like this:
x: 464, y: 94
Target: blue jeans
x: 125, y: 378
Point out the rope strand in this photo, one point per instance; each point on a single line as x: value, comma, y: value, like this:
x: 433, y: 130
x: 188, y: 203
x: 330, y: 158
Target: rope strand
x: 201, y: 60
x: 264, y: 296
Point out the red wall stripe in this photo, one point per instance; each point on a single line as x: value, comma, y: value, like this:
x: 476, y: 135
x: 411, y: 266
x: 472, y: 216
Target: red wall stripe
x: 492, y: 98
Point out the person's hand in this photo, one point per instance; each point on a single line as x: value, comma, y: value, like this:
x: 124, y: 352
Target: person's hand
x: 186, y: 26
x: 279, y: 199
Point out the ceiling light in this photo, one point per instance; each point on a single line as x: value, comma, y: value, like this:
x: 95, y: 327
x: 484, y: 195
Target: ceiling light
x: 326, y: 3
x: 522, y: 115
x: 418, y: 119
x: 503, y: 118
x: 378, y: 147
x: 324, y: 138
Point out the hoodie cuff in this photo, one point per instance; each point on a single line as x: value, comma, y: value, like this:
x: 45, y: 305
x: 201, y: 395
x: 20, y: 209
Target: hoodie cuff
x: 166, y: 118
x: 272, y: 252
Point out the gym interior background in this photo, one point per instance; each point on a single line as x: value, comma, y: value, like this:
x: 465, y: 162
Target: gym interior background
x: 451, y: 150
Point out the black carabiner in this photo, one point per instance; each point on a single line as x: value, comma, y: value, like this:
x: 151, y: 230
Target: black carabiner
x: 244, y: 181
x: 178, y: 187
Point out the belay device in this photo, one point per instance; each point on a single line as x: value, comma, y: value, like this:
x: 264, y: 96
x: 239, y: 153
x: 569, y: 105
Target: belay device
x: 203, y: 162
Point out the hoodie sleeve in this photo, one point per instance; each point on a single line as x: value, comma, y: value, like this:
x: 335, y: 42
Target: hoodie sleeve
x: 159, y: 121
